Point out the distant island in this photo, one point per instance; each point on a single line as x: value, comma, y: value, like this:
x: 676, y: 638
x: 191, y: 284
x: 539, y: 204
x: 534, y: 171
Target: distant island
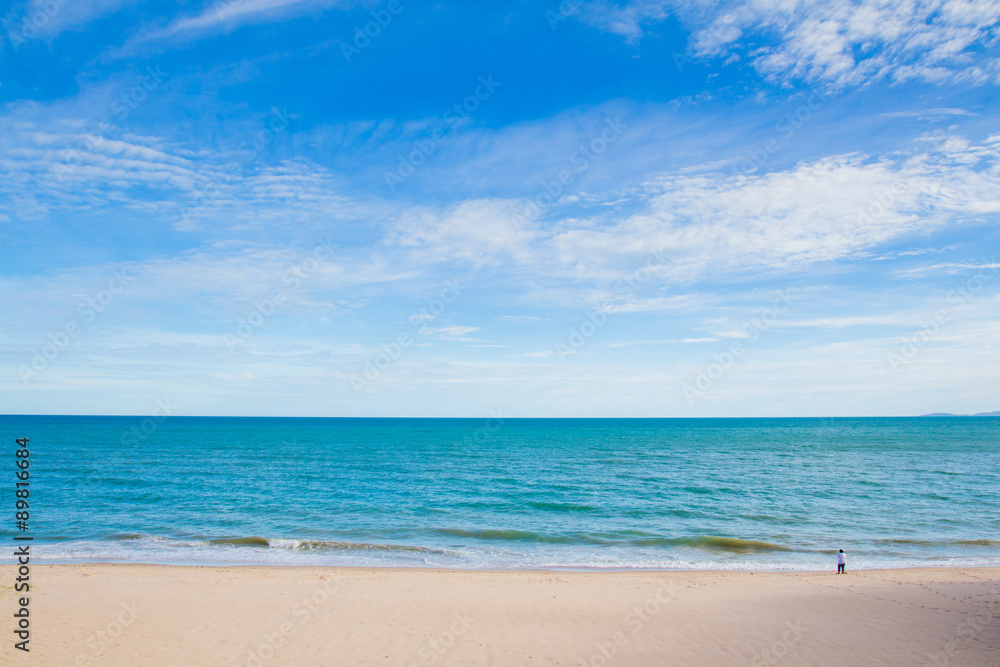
x: 995, y: 413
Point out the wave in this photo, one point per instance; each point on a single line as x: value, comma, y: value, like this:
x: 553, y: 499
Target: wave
x: 619, y: 549
x: 256, y: 542
x: 241, y: 541
x: 309, y: 545
x: 909, y: 542
x: 626, y: 538
x: 981, y: 542
x: 734, y: 544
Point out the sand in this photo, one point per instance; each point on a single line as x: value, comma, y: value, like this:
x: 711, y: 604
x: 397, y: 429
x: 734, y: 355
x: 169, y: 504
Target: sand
x: 151, y: 615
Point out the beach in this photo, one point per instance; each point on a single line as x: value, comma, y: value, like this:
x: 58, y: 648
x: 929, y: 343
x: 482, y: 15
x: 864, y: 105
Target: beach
x: 150, y: 615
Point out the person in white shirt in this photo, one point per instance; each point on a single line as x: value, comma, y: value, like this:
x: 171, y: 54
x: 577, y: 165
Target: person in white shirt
x: 841, y: 562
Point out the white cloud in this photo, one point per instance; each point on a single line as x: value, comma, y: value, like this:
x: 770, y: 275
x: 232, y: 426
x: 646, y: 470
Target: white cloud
x: 47, y: 18
x: 947, y: 268
x: 454, y: 330
x: 688, y: 226
x: 836, y: 208
x: 53, y: 168
x: 659, y: 342
x: 835, y: 42
x: 894, y: 319
x: 520, y: 319
x: 925, y: 114
x: 227, y: 15
x: 479, y: 232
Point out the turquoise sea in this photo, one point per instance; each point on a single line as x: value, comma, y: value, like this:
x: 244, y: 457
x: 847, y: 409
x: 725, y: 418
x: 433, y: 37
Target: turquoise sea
x: 759, y: 494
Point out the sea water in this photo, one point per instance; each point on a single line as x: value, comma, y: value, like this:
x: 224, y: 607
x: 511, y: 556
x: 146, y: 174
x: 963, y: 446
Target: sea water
x: 747, y: 494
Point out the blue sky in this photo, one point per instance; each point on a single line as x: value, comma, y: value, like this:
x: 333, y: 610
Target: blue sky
x: 406, y: 208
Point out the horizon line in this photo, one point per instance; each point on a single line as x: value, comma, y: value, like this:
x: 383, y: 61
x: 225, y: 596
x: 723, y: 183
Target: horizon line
x: 502, y: 418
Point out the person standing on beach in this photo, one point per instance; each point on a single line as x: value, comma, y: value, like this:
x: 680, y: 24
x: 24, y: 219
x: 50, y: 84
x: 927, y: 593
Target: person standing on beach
x: 841, y: 562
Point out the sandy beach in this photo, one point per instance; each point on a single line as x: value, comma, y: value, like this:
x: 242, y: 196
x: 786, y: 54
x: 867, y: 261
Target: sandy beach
x: 148, y: 615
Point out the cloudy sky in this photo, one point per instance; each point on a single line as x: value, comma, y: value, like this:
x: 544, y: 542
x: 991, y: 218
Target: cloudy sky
x: 409, y: 208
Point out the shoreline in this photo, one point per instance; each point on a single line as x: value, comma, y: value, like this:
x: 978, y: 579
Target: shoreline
x: 555, y: 569
x: 256, y: 615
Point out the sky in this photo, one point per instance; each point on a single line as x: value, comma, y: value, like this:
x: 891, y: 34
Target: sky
x: 514, y: 209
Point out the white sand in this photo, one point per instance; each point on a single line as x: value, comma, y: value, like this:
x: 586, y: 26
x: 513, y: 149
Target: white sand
x: 156, y: 615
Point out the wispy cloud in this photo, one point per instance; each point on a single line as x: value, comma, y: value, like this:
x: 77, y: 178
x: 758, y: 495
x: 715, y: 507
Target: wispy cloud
x: 837, y: 208
x: 520, y: 319
x: 946, y: 268
x: 838, y: 43
x: 924, y: 114
x: 453, y: 330
x: 47, y: 18
x: 225, y: 15
x: 661, y: 342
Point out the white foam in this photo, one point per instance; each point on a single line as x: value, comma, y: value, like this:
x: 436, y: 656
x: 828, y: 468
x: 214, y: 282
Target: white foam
x: 290, y: 552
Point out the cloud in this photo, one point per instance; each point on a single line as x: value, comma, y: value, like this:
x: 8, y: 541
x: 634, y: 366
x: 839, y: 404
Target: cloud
x: 894, y: 319
x: 454, y: 330
x: 928, y: 114
x: 47, y: 18
x: 521, y: 319
x: 228, y: 15
x: 681, y: 226
x: 659, y: 342
x: 915, y: 252
x: 833, y: 209
x: 947, y: 268
x: 834, y: 42
x: 54, y: 168
x: 690, y: 226
x: 479, y: 232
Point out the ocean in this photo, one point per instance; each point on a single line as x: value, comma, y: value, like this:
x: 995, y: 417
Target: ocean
x: 707, y: 494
